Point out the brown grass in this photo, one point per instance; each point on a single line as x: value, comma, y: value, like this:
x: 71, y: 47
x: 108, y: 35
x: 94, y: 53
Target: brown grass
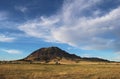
x: 78, y: 71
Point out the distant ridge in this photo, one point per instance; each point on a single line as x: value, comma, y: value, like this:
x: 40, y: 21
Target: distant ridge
x: 95, y: 59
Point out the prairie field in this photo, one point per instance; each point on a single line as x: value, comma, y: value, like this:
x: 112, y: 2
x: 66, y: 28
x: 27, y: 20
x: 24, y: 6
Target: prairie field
x: 71, y: 71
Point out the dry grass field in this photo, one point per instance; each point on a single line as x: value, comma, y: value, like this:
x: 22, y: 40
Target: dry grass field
x: 76, y: 71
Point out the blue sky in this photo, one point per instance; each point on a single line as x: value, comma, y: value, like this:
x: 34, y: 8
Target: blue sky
x: 88, y: 28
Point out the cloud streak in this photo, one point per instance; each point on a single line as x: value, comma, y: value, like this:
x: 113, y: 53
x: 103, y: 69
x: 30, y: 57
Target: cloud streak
x: 79, y: 23
x: 4, y: 38
x: 11, y: 51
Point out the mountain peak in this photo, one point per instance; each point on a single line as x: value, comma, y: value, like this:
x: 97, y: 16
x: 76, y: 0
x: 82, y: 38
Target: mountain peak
x: 50, y: 48
x: 50, y: 53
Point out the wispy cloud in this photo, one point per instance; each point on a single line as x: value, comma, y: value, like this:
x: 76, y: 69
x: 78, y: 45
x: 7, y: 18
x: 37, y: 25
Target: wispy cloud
x: 3, y: 15
x: 4, y: 38
x: 22, y: 9
x: 11, y: 51
x: 40, y: 27
x: 86, y: 55
x: 79, y: 23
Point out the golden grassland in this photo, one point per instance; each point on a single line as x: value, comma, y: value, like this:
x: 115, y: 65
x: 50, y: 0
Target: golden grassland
x: 71, y: 71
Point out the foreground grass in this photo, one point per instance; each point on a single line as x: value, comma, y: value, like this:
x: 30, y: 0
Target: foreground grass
x: 38, y: 71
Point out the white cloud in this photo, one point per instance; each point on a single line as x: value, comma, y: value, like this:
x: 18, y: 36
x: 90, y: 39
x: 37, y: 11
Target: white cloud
x: 4, y: 38
x: 3, y: 15
x: 40, y: 28
x: 23, y: 9
x: 86, y: 55
x: 78, y: 24
x: 11, y: 51
x: 116, y: 57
